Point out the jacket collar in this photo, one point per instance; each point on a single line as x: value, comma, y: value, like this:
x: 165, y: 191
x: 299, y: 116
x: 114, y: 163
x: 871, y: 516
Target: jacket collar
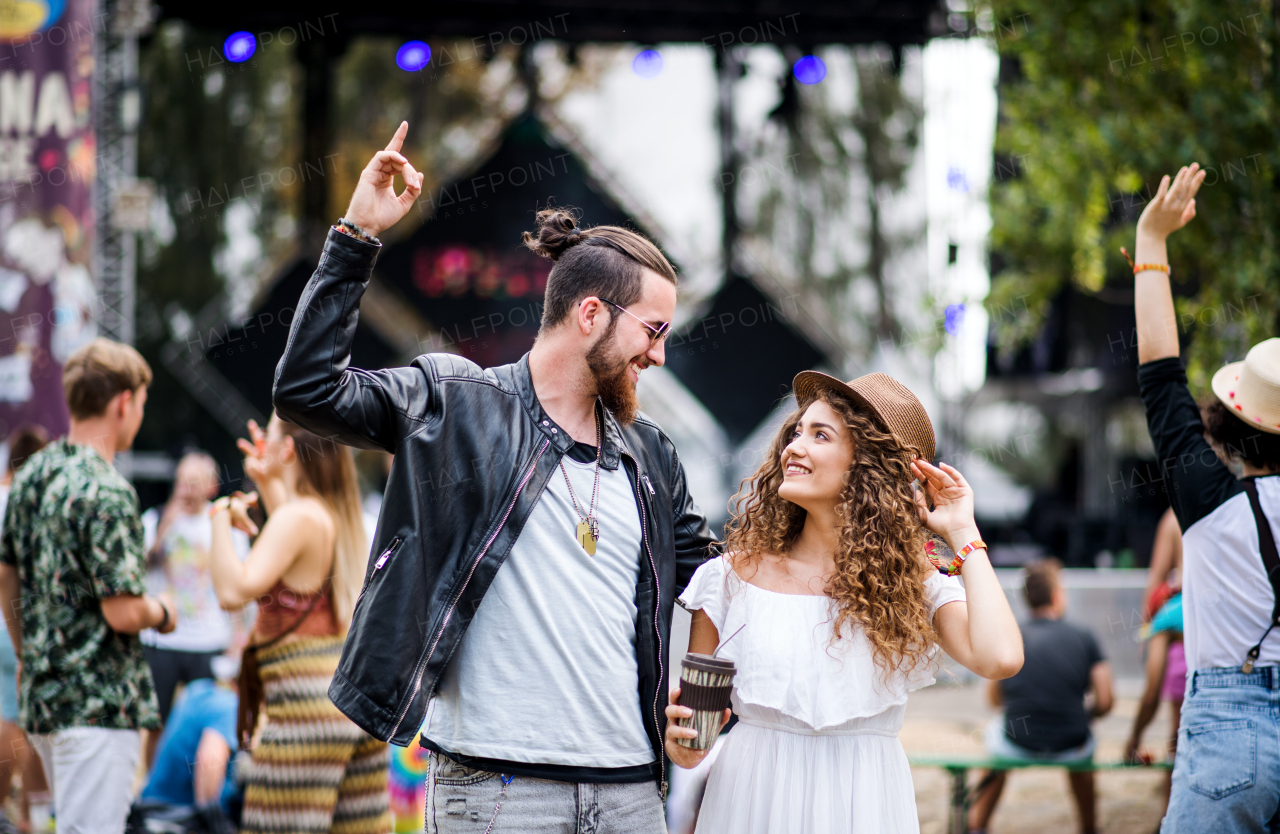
x: 614, y: 444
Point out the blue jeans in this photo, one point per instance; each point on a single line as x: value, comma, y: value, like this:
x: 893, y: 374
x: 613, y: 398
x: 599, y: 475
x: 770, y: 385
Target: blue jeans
x: 1226, y: 778
x: 463, y: 800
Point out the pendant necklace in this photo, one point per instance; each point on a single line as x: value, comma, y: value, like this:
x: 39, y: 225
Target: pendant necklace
x: 589, y: 526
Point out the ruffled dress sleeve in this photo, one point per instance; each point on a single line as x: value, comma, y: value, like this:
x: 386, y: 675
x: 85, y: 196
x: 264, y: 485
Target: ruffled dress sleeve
x: 708, y: 591
x: 941, y: 589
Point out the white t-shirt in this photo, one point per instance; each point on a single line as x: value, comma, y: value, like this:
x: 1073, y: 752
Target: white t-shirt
x: 546, y: 673
x: 202, y: 624
x: 1226, y: 598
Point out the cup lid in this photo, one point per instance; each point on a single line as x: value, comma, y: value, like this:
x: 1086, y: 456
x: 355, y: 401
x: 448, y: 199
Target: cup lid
x: 707, y: 663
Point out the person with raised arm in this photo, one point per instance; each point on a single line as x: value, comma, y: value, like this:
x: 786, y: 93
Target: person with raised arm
x: 840, y: 581
x: 312, y: 769
x: 1227, y: 774
x: 535, y: 530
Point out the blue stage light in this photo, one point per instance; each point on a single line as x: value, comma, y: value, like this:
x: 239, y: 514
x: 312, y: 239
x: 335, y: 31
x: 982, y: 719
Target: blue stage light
x: 413, y: 56
x: 239, y: 47
x: 810, y: 69
x: 647, y: 64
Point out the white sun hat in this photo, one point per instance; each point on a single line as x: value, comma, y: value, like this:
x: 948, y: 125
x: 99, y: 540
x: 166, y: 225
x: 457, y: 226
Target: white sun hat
x: 1251, y: 389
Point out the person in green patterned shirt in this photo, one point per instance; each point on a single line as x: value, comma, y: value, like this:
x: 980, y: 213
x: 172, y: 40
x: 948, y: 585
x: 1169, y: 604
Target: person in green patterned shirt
x: 72, y: 588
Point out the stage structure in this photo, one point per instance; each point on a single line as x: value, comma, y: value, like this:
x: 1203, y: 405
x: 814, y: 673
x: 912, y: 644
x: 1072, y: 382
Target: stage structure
x: 461, y: 283
x: 121, y: 203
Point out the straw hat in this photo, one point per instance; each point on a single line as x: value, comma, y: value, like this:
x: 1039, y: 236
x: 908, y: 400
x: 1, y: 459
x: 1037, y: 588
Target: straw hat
x: 1251, y: 389
x: 895, y: 406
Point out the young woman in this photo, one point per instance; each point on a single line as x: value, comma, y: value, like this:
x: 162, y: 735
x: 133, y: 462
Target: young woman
x: 827, y: 566
x: 1226, y: 777
x: 312, y: 768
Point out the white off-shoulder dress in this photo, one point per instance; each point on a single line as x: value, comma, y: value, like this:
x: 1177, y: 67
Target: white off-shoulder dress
x: 816, y: 748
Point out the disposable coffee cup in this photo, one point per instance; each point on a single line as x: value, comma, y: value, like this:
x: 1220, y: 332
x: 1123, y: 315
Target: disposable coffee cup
x: 705, y: 684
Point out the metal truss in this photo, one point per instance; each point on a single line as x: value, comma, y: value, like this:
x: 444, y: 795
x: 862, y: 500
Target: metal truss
x: 116, y: 113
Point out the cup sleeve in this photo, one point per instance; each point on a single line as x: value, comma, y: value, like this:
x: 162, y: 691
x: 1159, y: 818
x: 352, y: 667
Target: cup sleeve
x: 707, y: 591
x: 941, y: 589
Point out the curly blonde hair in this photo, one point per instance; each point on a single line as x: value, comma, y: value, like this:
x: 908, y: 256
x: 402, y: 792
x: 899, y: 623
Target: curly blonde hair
x: 880, y: 567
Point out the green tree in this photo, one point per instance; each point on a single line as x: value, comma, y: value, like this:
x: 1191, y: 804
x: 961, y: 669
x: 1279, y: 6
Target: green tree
x: 215, y: 135
x: 1100, y: 98
x: 839, y: 161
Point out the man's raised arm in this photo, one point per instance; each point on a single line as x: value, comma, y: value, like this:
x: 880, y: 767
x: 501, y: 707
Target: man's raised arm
x: 314, y: 385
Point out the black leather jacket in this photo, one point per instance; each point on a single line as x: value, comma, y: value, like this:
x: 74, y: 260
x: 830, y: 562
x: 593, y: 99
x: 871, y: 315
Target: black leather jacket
x: 473, y: 451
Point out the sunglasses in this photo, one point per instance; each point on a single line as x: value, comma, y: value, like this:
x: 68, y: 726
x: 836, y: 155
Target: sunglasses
x: 656, y: 334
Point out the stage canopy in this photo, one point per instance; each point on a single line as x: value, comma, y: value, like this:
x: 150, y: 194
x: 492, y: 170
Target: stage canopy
x: 715, y: 22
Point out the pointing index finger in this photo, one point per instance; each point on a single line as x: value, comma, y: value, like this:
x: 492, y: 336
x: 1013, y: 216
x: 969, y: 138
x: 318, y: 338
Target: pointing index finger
x: 398, y: 139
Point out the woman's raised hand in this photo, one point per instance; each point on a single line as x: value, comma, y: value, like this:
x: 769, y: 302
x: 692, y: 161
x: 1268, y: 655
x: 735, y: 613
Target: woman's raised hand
x: 375, y: 205
x: 951, y: 495
x: 1174, y: 204
x: 255, y: 453
x: 685, y: 757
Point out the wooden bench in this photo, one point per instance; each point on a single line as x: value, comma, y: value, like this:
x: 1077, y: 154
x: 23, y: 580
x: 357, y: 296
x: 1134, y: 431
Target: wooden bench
x: 959, y: 767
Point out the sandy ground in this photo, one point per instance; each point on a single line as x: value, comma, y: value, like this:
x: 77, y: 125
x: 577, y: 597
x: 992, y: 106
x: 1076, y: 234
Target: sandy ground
x: 949, y: 720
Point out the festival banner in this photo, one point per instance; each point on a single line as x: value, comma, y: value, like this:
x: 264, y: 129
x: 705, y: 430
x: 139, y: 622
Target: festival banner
x: 47, y: 163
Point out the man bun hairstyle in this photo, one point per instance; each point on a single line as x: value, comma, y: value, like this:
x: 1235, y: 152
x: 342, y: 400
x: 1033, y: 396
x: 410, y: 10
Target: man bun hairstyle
x: 602, y: 261
x: 1040, y: 581
x: 95, y: 373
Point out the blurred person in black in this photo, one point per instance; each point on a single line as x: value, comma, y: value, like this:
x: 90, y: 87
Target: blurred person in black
x: 1046, y: 717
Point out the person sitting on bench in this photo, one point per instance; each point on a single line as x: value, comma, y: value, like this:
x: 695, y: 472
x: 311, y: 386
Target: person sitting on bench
x: 1045, y: 716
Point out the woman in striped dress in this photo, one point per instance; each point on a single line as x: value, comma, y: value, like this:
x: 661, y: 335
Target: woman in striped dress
x: 313, y: 770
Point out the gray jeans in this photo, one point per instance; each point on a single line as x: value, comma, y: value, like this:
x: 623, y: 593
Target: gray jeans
x: 462, y: 799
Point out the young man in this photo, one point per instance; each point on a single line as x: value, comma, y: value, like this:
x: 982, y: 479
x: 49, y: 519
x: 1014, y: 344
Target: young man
x: 533, y: 537
x: 1227, y: 774
x: 177, y: 538
x: 72, y: 589
x: 1045, y: 717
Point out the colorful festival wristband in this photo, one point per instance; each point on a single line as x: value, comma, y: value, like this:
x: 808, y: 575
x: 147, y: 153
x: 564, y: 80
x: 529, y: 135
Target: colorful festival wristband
x: 1145, y: 267
x: 962, y: 554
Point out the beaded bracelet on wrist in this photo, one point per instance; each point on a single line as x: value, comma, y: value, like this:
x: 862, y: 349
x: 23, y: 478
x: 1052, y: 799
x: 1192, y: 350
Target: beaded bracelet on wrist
x: 347, y: 227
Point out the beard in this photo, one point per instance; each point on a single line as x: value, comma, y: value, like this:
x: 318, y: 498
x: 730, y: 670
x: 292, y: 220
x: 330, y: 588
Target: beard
x: 613, y: 384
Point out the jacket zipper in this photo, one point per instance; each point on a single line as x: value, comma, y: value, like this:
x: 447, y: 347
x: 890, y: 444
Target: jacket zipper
x: 386, y: 554
x: 448, y: 614
x: 657, y: 632
x: 378, y: 565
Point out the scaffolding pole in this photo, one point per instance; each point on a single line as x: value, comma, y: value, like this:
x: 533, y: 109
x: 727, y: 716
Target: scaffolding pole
x: 116, y: 114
